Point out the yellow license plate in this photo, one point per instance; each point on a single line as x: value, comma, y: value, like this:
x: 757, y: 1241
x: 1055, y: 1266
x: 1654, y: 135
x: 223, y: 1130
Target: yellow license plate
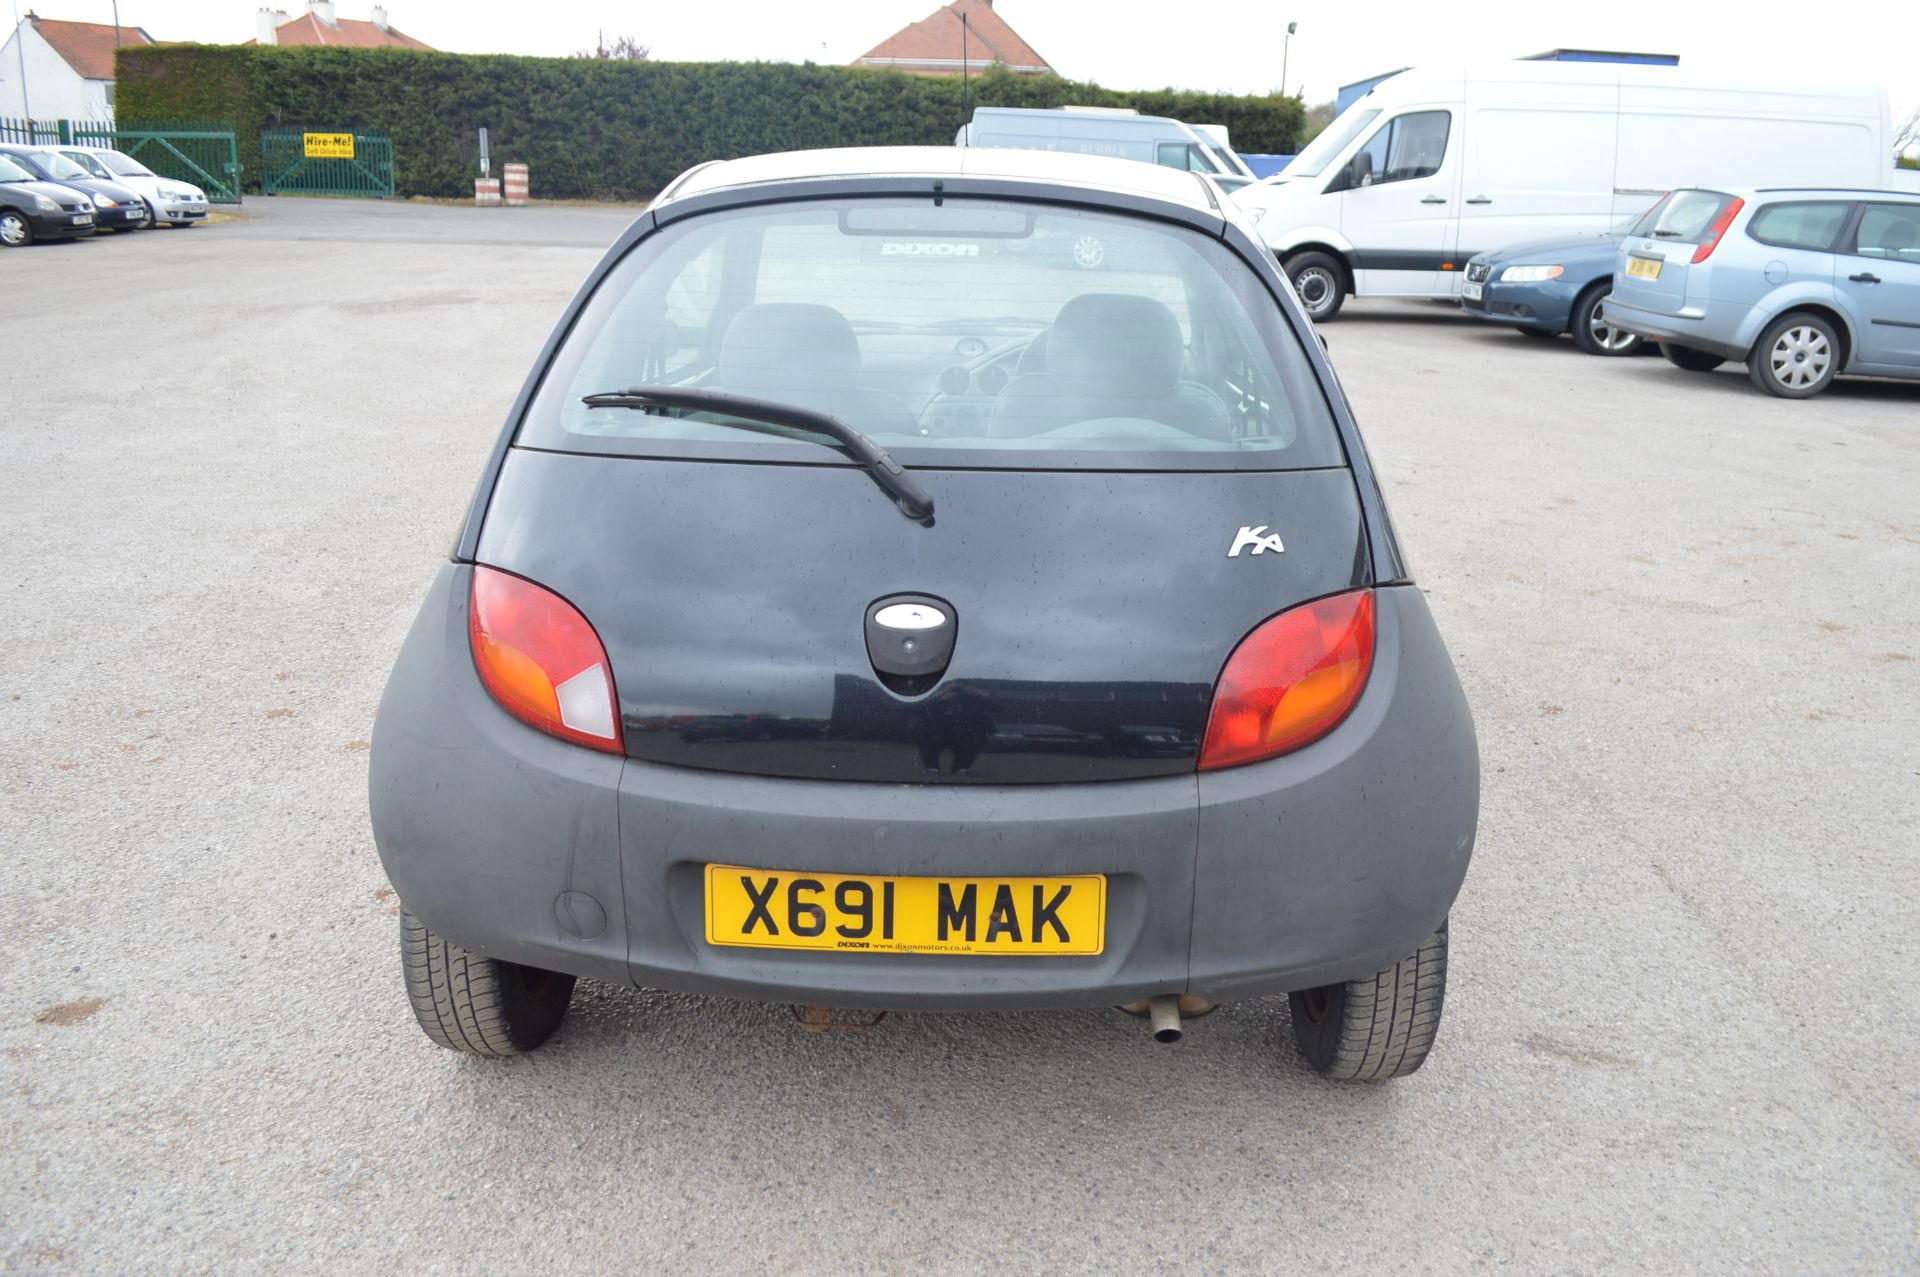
x: 868, y: 913
x: 1643, y: 268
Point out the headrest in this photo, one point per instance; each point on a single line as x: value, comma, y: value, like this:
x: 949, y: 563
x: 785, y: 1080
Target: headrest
x: 783, y: 347
x: 1131, y: 342
x: 1898, y: 237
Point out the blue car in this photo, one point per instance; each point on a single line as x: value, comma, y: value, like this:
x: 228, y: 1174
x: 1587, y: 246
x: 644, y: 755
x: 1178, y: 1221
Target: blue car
x: 1552, y: 286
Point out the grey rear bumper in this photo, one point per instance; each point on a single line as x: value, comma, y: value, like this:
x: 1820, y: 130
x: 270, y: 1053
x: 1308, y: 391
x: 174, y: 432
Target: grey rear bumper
x: 1319, y: 866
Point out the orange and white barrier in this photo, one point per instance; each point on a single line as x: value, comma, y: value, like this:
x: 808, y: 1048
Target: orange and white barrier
x: 486, y: 191
x: 516, y: 182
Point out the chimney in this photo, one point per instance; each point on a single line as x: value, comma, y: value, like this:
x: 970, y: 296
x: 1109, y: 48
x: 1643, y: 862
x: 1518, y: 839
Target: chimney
x: 266, y: 27
x: 380, y: 16
x: 322, y: 11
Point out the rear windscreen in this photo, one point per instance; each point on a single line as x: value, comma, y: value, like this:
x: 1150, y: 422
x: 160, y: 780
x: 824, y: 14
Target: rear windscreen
x: 1685, y: 215
x: 965, y: 333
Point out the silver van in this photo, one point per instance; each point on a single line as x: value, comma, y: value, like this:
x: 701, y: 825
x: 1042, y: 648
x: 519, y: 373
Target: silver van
x: 1114, y: 132
x: 1801, y: 285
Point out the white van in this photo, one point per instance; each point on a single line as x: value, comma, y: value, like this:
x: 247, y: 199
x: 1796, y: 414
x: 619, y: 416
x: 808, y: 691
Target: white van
x: 1112, y: 131
x: 1431, y: 167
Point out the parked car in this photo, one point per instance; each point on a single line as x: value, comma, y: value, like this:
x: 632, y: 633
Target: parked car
x: 1165, y: 502
x: 1552, y: 286
x: 1112, y: 131
x: 170, y: 202
x: 115, y: 208
x: 1431, y: 167
x: 32, y: 208
x: 1803, y: 285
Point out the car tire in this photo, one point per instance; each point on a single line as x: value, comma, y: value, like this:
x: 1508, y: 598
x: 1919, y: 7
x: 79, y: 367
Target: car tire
x: 15, y: 230
x: 1321, y: 282
x: 1592, y: 333
x: 1797, y: 357
x: 1379, y: 1026
x: 477, y: 1005
x: 1689, y: 358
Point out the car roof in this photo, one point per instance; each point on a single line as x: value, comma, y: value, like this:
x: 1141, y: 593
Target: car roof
x: 1056, y: 168
x: 1751, y: 193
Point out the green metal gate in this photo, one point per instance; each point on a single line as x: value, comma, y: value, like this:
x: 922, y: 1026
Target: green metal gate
x: 205, y: 155
x: 304, y: 162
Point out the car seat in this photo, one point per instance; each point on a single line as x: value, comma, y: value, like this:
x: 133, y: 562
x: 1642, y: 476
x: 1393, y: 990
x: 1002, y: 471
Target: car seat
x: 805, y: 354
x: 1109, y: 355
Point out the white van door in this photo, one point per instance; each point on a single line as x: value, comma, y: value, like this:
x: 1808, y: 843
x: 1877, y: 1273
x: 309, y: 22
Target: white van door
x: 1536, y: 171
x: 1397, y: 199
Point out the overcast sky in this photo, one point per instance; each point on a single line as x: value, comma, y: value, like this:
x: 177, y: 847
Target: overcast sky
x: 1232, y: 45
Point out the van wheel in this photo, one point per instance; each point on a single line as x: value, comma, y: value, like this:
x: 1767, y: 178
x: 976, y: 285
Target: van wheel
x: 1591, y: 331
x: 1379, y: 1026
x: 1796, y: 358
x: 482, y: 1006
x: 1689, y: 358
x: 1321, y: 282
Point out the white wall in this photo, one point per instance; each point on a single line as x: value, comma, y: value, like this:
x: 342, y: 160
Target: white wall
x: 54, y: 90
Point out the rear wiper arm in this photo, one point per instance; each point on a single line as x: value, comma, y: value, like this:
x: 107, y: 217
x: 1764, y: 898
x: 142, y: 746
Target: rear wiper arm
x: 1666, y: 234
x: 898, y: 484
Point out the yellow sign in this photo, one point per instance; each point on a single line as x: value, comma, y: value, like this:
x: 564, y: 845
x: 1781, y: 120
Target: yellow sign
x: 869, y: 913
x: 329, y: 146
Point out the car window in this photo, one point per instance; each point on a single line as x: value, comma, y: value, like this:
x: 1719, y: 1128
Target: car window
x: 1686, y: 215
x: 1407, y: 146
x: 1183, y: 155
x: 125, y: 165
x: 1801, y: 223
x: 1890, y: 231
x: 1317, y: 154
x: 87, y: 162
x: 974, y: 332
x: 58, y: 166
x: 12, y: 171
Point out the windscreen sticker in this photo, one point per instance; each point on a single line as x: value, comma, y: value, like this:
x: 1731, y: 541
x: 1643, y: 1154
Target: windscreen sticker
x: 927, y: 248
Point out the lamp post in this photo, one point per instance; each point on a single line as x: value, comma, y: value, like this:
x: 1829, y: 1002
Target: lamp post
x: 1286, y: 48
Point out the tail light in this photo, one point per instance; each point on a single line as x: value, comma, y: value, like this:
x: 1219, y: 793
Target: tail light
x: 542, y: 661
x: 1291, y: 681
x: 1715, y: 231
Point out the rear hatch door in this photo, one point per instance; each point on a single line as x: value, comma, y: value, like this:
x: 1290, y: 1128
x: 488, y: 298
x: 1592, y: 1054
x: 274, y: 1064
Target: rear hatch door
x: 1658, y: 267
x: 1092, y: 610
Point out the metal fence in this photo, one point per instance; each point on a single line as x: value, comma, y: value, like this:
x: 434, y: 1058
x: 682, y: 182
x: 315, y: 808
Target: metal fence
x: 304, y: 162
x: 206, y: 155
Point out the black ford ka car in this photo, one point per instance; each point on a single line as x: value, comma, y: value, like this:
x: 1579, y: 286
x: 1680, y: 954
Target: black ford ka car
x: 930, y: 579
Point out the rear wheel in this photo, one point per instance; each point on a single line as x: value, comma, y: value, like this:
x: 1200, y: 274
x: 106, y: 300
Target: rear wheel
x: 482, y: 1006
x: 1321, y: 282
x: 1379, y: 1026
x: 15, y: 231
x: 1796, y: 358
x: 1689, y: 358
x: 1591, y: 331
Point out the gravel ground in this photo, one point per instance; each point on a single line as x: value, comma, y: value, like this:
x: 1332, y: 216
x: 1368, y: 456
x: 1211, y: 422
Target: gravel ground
x: 1686, y: 988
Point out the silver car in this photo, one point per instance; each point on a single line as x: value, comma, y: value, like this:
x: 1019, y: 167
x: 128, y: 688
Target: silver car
x: 1801, y: 285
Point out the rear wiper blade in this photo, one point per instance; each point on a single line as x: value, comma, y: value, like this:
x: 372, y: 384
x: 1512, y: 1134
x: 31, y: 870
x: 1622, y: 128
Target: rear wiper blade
x: 1666, y: 234
x: 898, y: 484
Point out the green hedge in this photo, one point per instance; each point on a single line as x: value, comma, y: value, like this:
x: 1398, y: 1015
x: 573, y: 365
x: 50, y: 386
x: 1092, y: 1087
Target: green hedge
x: 589, y: 128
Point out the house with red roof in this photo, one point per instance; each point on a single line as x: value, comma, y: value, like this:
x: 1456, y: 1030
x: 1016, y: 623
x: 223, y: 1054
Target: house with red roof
x: 55, y: 70
x: 963, y: 34
x: 320, y: 24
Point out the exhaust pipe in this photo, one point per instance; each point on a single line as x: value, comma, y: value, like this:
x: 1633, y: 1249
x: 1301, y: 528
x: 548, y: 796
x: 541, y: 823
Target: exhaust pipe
x: 1164, y: 1014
